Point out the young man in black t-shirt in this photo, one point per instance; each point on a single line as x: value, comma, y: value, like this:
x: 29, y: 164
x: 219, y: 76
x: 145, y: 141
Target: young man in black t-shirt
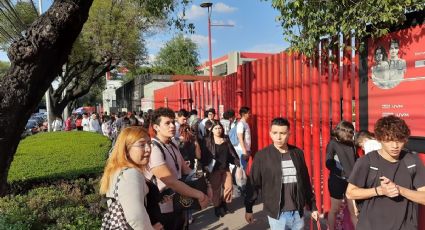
x: 390, y: 182
x: 280, y: 172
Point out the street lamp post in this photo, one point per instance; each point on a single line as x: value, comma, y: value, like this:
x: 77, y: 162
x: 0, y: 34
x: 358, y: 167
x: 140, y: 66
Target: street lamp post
x: 208, y: 5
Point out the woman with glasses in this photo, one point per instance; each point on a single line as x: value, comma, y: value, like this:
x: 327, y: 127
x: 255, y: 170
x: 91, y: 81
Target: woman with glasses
x: 217, y: 153
x: 123, y: 177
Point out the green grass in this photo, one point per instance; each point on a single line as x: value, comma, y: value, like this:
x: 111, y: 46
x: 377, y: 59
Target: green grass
x: 59, y: 155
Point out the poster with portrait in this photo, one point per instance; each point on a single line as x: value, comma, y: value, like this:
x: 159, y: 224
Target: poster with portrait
x: 396, y: 77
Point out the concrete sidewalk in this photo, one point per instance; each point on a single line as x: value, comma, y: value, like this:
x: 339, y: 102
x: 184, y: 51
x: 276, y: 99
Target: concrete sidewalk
x: 206, y: 219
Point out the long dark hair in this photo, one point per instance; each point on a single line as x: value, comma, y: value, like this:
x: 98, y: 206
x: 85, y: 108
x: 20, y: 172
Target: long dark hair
x: 209, y: 140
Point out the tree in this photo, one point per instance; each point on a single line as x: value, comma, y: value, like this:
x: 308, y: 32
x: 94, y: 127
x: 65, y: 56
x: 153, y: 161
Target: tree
x: 4, y: 66
x: 113, y: 36
x: 179, y: 54
x: 304, y: 23
x: 36, y: 57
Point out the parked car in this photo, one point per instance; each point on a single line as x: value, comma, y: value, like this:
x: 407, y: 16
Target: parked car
x: 30, y: 128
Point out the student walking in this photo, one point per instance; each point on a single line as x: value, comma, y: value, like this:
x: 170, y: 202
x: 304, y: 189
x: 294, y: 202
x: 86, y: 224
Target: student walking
x: 389, y: 183
x: 166, y: 167
x: 218, y: 152
x: 340, y: 158
x: 280, y: 172
x: 244, y: 136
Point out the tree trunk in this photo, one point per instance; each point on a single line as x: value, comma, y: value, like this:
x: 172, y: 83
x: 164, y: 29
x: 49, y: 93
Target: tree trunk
x: 35, y: 61
x: 59, y: 100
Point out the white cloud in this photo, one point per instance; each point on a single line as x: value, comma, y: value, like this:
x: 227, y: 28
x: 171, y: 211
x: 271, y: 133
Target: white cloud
x: 268, y: 48
x: 151, y: 58
x: 194, y: 12
x: 154, y: 44
x: 223, y: 22
x: 201, y: 40
x: 223, y: 8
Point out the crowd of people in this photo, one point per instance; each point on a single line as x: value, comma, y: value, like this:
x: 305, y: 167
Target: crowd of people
x: 153, y: 154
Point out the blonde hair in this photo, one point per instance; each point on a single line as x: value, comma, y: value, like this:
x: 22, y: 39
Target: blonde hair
x: 119, y: 157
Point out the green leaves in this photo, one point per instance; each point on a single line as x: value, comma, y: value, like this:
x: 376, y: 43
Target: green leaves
x: 180, y: 54
x: 319, y: 18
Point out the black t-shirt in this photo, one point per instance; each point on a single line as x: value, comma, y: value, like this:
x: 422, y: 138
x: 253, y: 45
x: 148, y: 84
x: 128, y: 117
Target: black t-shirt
x: 383, y: 212
x: 188, y: 149
x: 289, y: 184
x: 340, y: 158
x: 221, y: 156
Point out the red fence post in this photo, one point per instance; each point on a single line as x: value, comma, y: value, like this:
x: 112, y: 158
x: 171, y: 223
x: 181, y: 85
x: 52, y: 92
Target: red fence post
x: 356, y: 84
x: 325, y: 102
x: 346, y: 85
x: 290, y: 99
x: 276, y: 85
x: 316, y: 133
x: 260, y: 102
x: 284, y: 85
x: 336, y: 95
x: 306, y: 113
x: 298, y: 102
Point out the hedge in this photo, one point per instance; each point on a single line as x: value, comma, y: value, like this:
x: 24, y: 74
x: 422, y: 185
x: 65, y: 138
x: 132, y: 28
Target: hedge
x: 59, y: 155
x: 55, y: 182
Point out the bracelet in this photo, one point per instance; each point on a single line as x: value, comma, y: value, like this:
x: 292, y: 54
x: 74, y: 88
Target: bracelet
x: 376, y: 190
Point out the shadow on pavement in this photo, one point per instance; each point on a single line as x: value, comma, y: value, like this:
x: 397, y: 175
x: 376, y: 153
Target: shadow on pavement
x: 206, y: 219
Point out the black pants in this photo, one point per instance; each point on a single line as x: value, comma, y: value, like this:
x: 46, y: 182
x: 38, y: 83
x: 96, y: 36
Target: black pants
x: 173, y: 220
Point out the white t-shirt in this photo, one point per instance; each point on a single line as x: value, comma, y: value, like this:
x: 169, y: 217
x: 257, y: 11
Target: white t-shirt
x: 371, y: 145
x: 57, y: 125
x: 201, y: 127
x: 85, y: 124
x: 243, y: 127
x: 172, y: 156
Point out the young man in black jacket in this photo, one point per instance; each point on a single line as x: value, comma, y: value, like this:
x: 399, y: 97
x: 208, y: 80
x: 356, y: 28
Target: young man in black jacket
x: 280, y: 172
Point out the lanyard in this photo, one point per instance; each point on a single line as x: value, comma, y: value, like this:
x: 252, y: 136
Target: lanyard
x: 173, y: 155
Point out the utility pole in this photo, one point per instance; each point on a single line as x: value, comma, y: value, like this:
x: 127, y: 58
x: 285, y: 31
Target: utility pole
x: 47, y: 94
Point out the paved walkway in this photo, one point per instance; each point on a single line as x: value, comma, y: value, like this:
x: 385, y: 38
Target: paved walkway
x: 206, y: 219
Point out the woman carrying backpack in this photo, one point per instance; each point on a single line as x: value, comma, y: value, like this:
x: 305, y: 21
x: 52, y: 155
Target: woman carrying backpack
x: 218, y: 148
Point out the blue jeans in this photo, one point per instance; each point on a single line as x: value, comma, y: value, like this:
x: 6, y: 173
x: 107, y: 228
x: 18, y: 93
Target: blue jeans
x: 287, y: 220
x: 243, y: 162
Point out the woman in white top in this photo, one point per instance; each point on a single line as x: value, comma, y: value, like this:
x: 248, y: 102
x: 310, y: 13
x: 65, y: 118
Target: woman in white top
x: 130, y: 156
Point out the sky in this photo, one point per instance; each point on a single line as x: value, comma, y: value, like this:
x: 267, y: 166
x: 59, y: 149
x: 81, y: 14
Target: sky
x: 255, y: 29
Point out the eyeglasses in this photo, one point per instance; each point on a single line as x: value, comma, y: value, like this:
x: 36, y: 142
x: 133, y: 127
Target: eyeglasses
x: 146, y: 146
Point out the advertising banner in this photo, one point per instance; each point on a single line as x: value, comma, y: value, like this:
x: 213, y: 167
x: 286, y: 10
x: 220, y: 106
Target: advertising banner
x: 396, y: 77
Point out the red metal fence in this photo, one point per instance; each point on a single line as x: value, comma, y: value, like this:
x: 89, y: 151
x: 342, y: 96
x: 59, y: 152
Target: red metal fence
x: 314, y: 94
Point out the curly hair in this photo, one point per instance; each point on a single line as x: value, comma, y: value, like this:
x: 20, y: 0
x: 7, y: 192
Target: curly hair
x: 391, y: 128
x: 162, y: 112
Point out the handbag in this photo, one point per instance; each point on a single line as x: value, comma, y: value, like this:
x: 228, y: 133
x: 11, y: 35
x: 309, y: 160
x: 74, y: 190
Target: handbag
x: 114, y: 217
x: 197, y: 181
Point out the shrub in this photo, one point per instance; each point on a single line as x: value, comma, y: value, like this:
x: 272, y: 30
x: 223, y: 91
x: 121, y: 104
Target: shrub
x: 54, y: 179
x: 47, y: 157
x: 63, y: 205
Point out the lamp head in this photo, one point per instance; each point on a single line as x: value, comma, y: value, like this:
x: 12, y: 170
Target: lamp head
x: 206, y: 4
